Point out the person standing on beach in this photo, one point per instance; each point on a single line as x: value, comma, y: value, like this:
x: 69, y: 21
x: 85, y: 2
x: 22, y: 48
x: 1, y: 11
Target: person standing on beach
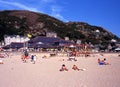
x: 34, y: 59
x: 26, y: 54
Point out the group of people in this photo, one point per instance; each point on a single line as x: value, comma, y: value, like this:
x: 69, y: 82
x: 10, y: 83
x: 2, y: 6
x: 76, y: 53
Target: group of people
x: 102, y: 62
x: 26, y: 56
x: 74, y: 67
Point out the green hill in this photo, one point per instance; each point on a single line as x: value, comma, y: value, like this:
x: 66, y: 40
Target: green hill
x: 22, y: 22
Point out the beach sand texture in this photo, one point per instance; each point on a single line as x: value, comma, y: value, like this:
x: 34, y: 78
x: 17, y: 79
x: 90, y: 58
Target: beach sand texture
x: 45, y: 72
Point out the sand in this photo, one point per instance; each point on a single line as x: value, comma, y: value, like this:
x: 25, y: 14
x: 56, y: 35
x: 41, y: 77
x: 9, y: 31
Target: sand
x: 45, y: 72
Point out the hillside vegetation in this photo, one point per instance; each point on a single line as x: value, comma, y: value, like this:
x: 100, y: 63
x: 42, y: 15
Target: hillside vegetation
x: 22, y: 22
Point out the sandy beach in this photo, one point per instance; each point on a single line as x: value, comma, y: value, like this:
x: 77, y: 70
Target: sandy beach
x: 45, y: 72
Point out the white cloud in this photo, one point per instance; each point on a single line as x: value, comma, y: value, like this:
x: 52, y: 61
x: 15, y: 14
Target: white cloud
x: 56, y: 12
x: 54, y: 9
x: 19, y: 5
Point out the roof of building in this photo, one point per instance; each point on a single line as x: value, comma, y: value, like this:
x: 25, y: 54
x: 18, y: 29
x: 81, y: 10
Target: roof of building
x: 40, y: 42
x: 50, y: 40
x: 14, y: 45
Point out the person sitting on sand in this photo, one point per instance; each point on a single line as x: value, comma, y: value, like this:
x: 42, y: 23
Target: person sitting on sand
x: 103, y: 62
x: 99, y: 60
x: 63, y: 68
x: 75, y: 67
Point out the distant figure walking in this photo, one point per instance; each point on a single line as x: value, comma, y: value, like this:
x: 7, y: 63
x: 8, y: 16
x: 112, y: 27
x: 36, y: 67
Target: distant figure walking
x: 33, y: 59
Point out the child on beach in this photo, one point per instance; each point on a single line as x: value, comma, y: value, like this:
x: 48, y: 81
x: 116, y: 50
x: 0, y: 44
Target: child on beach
x: 63, y: 68
x: 33, y: 59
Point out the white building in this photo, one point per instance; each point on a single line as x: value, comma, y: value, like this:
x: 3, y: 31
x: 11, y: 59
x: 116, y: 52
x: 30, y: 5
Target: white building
x: 51, y: 34
x: 15, y: 38
x: 66, y: 38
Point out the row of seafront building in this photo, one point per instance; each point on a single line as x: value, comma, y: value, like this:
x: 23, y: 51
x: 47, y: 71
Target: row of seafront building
x: 49, y: 41
x: 8, y: 39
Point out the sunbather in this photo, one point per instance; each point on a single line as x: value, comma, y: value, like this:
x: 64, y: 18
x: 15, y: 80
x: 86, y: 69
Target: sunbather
x: 63, y: 68
x: 75, y: 67
x: 103, y: 62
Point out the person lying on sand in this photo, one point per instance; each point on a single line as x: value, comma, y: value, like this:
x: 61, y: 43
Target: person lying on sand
x: 44, y: 56
x: 103, y: 62
x: 63, y: 68
x: 75, y: 67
